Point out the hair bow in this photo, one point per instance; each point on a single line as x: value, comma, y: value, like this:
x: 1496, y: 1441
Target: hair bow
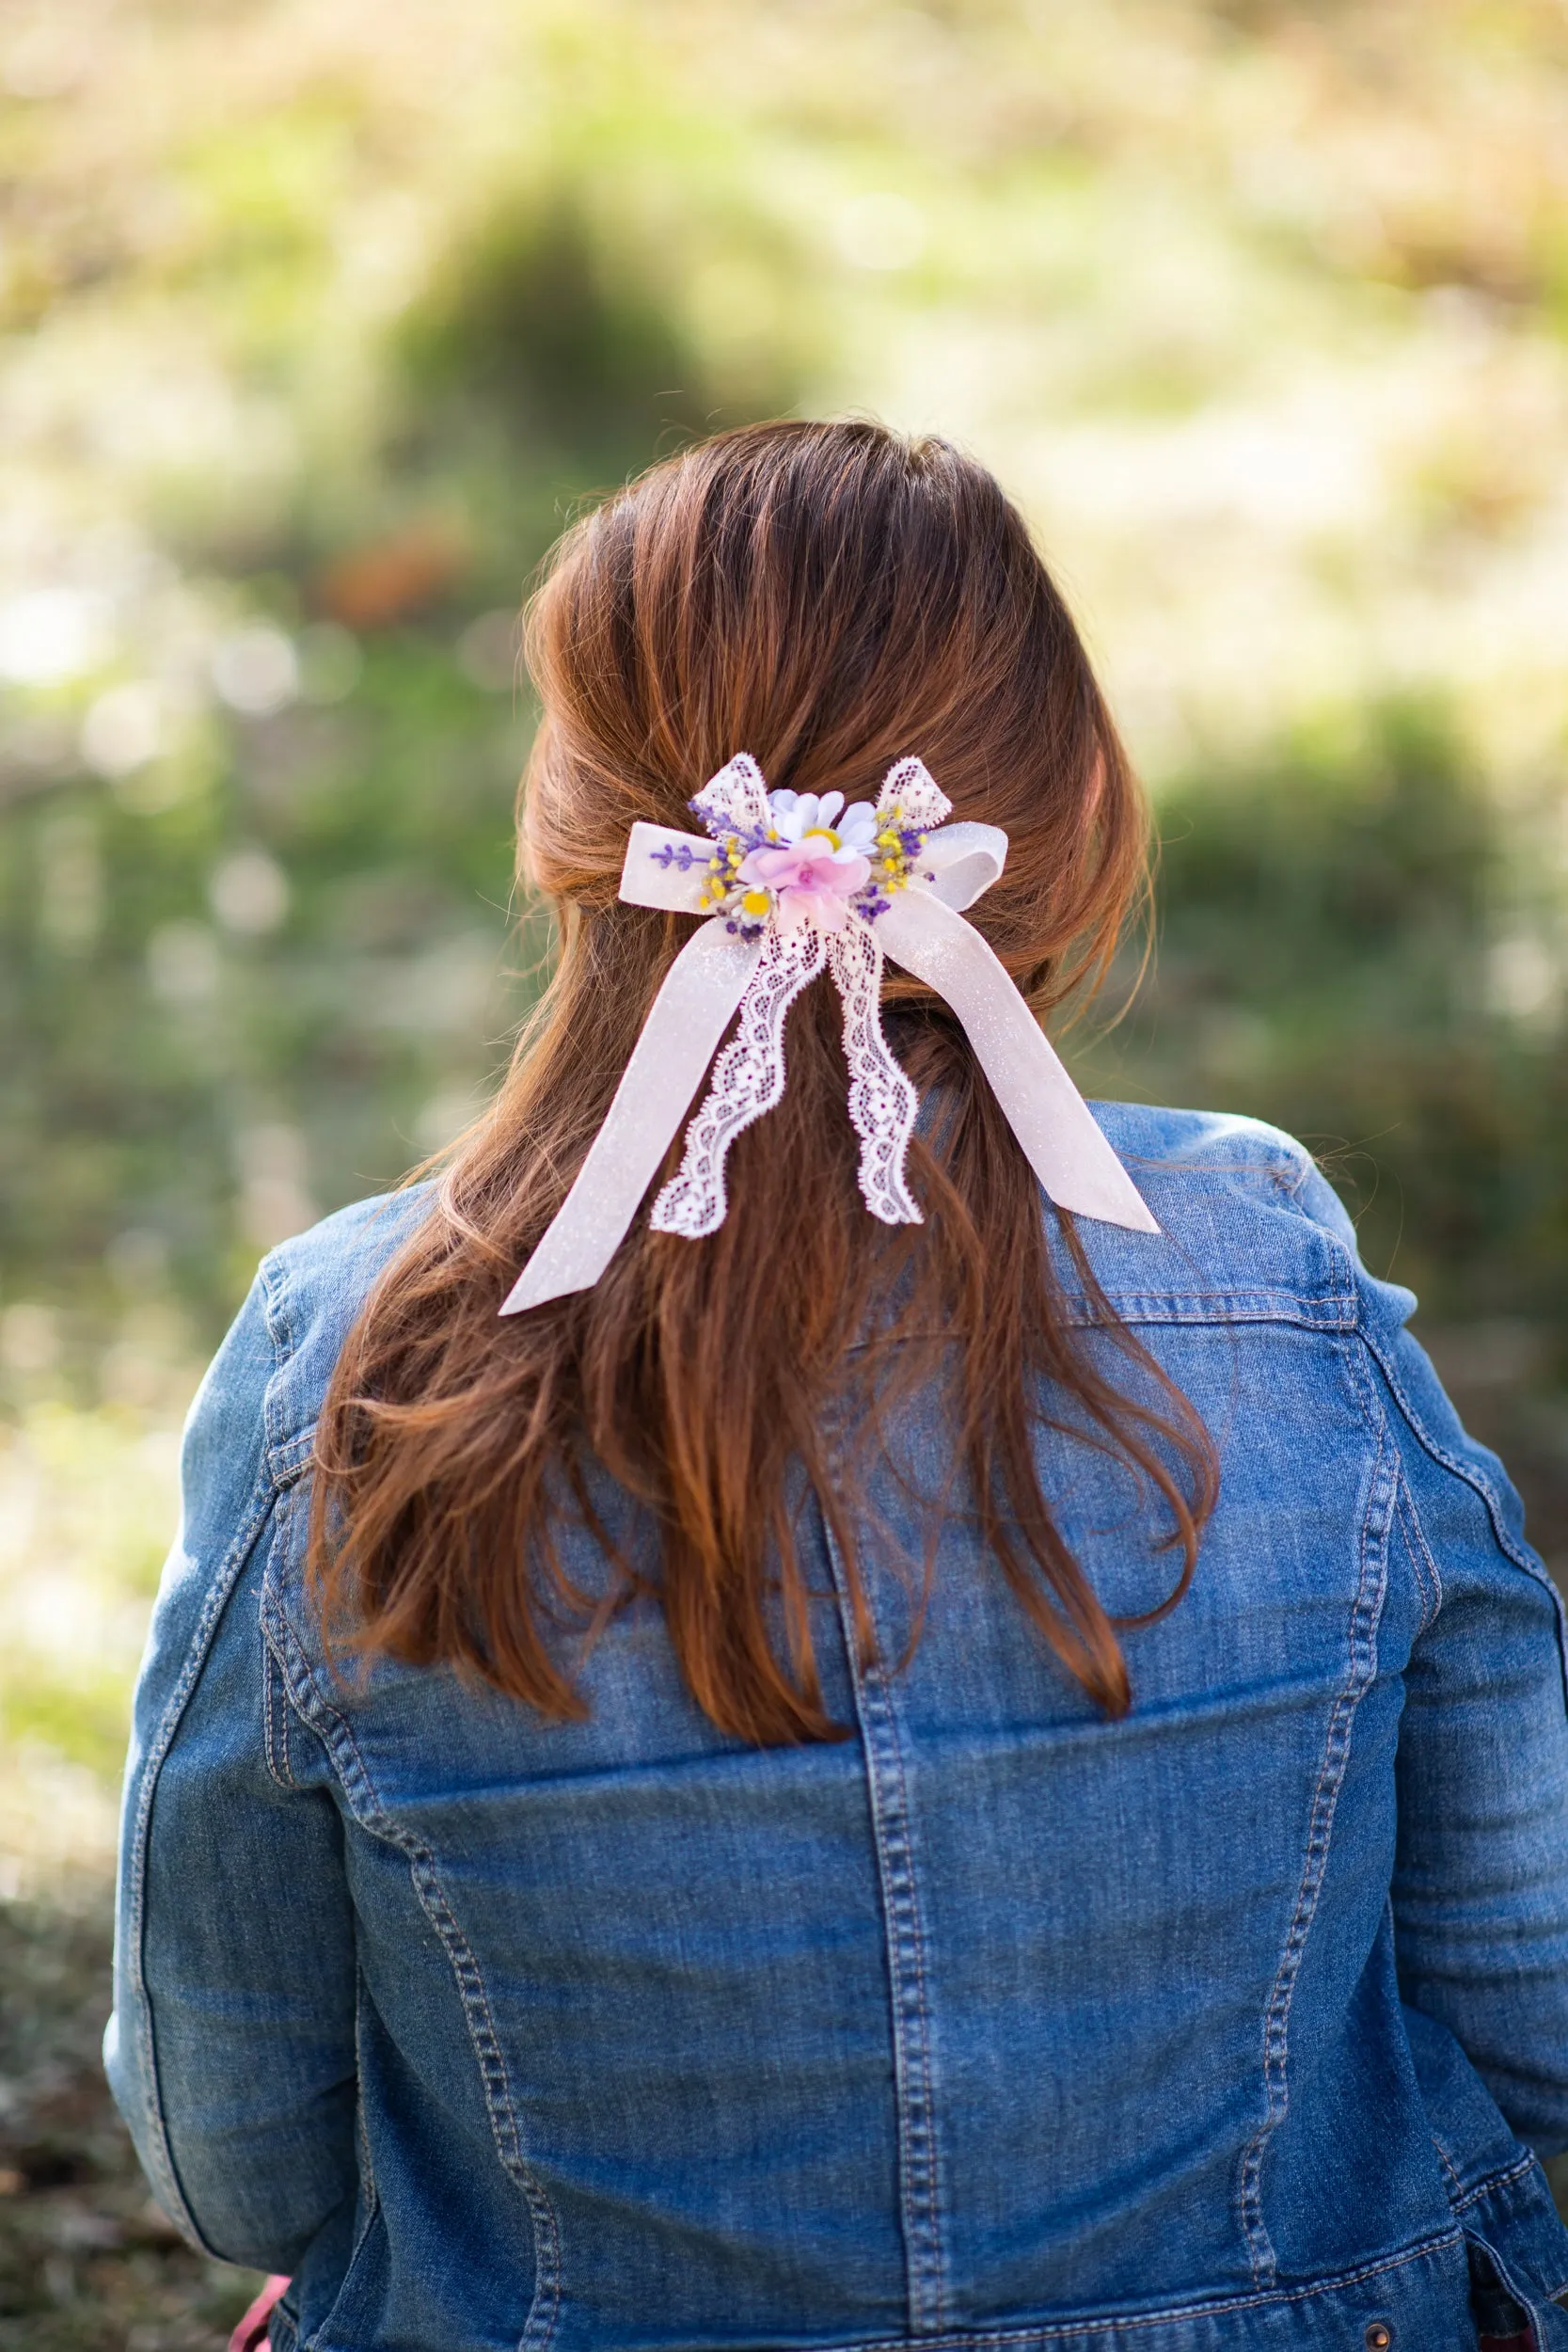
x: 793, y: 884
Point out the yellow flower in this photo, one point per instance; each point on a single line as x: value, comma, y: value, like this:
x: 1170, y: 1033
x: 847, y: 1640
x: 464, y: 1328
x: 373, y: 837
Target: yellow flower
x: 756, y: 902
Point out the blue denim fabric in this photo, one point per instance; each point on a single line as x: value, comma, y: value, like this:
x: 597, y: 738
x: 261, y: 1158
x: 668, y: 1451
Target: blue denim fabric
x: 998, y: 2024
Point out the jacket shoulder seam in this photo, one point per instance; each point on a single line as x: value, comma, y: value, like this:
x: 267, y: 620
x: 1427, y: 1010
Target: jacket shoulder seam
x: 1471, y: 1475
x: 1304, y: 1168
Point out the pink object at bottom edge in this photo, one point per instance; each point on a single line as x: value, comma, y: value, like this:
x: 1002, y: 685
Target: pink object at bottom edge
x: 252, y: 2330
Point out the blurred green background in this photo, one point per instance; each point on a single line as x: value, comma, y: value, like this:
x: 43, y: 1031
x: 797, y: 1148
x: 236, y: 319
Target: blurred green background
x: 316, y: 323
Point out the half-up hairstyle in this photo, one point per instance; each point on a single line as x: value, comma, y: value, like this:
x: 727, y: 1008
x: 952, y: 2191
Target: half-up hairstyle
x: 827, y: 598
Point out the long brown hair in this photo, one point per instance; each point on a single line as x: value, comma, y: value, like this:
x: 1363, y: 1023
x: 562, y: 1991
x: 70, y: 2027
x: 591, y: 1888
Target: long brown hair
x: 827, y: 597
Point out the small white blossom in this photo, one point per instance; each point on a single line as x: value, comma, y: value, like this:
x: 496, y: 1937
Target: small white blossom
x: 850, y: 832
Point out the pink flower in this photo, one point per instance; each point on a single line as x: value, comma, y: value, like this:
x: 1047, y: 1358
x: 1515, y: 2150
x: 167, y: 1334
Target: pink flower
x: 811, y: 882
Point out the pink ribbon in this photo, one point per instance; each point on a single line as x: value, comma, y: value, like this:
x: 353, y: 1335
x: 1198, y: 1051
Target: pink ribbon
x: 251, y: 2333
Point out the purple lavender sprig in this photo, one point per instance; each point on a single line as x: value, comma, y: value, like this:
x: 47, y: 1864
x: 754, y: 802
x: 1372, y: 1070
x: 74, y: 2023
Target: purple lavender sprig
x: 679, y: 854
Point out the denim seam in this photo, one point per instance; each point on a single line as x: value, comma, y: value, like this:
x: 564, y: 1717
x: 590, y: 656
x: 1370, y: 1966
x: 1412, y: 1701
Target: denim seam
x: 1361, y: 1666
x: 367, y: 2182
x: 1341, y: 1255
x: 364, y: 1805
x: 1473, y: 1477
x: 274, y: 1719
x: 1219, y: 2306
x: 165, y: 2179
x: 367, y: 2167
x: 289, y: 1474
x: 1523, y: 2290
x: 1188, y: 1310
x: 1520, y: 1554
x: 293, y: 1458
x: 274, y: 1681
x: 1456, y: 2191
x: 1421, y: 1558
x: 887, y: 1789
x: 1519, y: 2170
x: 923, y: 2126
x: 272, y: 1275
x: 1321, y: 1309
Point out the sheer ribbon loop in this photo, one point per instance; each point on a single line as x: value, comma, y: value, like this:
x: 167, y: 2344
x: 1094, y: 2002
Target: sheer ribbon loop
x: 793, y: 885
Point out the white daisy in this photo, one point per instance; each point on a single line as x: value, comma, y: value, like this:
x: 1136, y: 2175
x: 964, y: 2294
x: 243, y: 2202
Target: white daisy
x: 857, y: 827
x: 795, y: 815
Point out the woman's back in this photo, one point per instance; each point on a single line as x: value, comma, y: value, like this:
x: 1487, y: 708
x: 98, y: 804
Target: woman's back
x: 995, y: 2020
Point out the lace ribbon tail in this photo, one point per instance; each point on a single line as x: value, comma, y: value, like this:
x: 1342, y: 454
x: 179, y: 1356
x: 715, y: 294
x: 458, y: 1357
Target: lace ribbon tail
x: 748, y: 1080
x: 882, y: 1100
x: 689, y: 1015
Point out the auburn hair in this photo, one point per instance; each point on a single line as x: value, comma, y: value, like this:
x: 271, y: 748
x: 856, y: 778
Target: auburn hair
x: 827, y: 596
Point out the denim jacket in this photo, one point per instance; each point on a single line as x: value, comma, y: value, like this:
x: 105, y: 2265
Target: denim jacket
x: 996, y: 2024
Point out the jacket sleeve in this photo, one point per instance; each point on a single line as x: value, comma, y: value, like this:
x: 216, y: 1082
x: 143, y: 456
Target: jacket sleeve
x: 231, y: 2049
x: 1481, y: 1880
x: 1480, y: 1884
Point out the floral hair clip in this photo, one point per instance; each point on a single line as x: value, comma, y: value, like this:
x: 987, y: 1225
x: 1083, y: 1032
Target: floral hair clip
x: 794, y: 885
x: 811, y: 860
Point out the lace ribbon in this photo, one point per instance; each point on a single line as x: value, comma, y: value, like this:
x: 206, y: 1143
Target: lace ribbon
x: 882, y: 1101
x: 747, y: 1079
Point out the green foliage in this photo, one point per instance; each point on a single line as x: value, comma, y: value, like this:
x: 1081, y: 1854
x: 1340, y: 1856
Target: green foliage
x: 156, y: 1041
x: 549, y: 357
x: 264, y: 973
x: 333, y: 362
x: 85, y: 1720
x: 538, y: 322
x: 1329, y: 920
x: 1338, y: 875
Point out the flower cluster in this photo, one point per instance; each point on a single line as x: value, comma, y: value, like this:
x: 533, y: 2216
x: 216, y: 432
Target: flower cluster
x: 898, y: 849
x: 812, y: 861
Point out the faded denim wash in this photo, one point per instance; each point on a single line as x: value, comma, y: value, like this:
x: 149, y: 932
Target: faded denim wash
x: 996, y: 2024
